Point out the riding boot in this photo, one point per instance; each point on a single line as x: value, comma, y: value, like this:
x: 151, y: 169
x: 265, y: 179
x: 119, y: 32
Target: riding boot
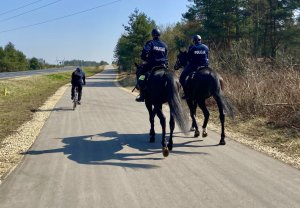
x: 141, y: 96
x: 141, y: 83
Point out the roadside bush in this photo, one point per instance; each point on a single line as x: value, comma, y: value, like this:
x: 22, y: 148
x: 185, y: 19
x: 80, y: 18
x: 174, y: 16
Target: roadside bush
x: 261, y: 87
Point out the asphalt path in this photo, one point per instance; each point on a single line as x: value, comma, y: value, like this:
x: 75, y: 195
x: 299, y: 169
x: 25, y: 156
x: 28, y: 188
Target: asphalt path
x: 9, y: 75
x: 99, y: 156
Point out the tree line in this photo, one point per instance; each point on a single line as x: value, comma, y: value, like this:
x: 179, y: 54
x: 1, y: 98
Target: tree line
x: 84, y: 63
x: 12, y: 59
x: 264, y: 29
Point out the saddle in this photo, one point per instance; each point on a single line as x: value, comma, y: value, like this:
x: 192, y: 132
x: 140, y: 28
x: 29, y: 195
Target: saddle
x: 156, y: 68
x: 144, y: 76
x: 191, y: 76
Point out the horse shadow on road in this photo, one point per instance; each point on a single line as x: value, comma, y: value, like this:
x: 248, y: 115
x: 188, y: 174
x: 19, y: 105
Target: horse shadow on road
x: 112, y: 148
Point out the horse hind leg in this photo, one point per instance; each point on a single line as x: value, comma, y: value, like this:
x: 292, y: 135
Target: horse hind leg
x: 152, y: 131
x: 172, y: 127
x: 164, y: 141
x: 151, y: 119
x: 222, y: 118
x: 206, y: 117
x: 194, y: 127
x: 197, y: 132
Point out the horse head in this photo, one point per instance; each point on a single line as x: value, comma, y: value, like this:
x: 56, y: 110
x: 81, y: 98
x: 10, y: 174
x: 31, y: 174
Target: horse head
x: 181, y: 60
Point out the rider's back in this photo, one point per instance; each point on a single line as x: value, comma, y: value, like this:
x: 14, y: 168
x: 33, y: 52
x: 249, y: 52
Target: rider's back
x: 198, y: 55
x: 155, y: 52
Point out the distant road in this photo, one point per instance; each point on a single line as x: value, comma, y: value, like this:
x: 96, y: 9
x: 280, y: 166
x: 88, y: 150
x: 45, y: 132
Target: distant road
x: 8, y: 75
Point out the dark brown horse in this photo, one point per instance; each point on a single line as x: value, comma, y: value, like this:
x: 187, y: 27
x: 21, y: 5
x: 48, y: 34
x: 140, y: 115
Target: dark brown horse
x: 202, y: 84
x: 162, y: 87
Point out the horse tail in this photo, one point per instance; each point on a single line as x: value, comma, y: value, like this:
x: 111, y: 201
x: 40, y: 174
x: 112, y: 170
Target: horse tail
x: 174, y: 102
x: 222, y: 83
x: 227, y: 106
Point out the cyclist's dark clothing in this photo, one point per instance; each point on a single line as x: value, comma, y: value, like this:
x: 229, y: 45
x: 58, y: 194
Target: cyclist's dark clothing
x: 79, y: 91
x: 78, y: 79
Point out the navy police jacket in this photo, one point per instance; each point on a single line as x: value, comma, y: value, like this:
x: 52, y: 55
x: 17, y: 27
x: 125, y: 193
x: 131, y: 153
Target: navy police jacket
x: 155, y: 52
x: 198, y: 55
x: 78, y: 77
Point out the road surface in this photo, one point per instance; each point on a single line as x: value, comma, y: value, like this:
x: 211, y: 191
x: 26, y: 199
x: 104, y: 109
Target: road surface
x: 99, y: 156
x: 9, y: 75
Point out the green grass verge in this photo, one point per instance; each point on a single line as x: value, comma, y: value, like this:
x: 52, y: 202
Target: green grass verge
x: 27, y: 94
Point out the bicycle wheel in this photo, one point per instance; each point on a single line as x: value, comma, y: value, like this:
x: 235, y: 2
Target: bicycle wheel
x: 75, y: 100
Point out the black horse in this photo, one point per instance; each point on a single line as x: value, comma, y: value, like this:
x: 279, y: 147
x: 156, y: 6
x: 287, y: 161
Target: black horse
x: 202, y: 84
x: 162, y: 87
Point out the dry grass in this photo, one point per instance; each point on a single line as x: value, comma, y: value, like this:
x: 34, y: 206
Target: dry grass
x: 268, y: 103
x: 270, y: 94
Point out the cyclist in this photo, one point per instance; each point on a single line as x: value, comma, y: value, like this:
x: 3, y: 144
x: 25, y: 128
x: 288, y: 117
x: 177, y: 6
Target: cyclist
x: 78, y: 79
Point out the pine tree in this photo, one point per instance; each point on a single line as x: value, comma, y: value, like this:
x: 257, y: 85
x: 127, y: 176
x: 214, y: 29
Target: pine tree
x: 130, y: 44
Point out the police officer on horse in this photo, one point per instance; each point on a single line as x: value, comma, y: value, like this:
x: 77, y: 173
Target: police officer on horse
x: 154, y: 55
x: 198, y: 59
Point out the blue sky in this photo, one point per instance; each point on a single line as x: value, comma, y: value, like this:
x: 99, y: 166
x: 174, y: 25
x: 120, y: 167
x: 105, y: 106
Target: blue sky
x: 88, y: 36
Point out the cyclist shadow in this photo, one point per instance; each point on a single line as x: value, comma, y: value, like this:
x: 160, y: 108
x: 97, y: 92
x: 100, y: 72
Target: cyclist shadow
x: 111, y: 148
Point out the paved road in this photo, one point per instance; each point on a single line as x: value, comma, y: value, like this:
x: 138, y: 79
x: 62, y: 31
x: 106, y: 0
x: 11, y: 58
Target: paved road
x: 99, y: 156
x: 8, y: 75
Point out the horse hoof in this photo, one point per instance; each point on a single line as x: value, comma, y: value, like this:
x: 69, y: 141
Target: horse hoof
x: 197, y: 133
x: 165, y: 151
x: 204, y: 134
x: 222, y: 142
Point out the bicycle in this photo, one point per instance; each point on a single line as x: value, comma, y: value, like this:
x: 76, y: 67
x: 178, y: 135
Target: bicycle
x: 75, y: 99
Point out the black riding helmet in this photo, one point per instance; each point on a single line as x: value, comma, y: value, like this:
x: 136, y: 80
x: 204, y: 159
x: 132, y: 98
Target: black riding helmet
x: 155, y: 32
x: 196, y: 38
